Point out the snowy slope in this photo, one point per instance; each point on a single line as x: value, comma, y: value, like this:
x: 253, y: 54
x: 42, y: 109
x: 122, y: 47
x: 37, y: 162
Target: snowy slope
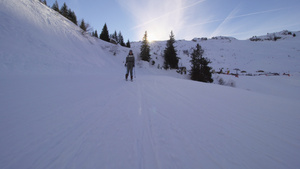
x: 64, y: 104
x: 226, y: 53
x: 37, y: 39
x: 281, y: 56
x: 154, y: 122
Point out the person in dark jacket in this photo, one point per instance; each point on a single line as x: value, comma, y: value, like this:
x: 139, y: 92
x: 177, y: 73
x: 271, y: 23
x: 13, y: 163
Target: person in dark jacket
x: 130, y: 63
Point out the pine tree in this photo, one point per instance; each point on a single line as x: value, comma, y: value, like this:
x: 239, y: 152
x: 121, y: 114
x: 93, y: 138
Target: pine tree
x: 71, y: 16
x: 121, y: 39
x: 96, y: 34
x: 55, y: 6
x: 200, y: 71
x: 114, y: 36
x: 170, y: 55
x: 196, y: 63
x: 64, y: 10
x: 145, y: 49
x: 104, y: 34
x: 83, y: 25
x: 128, y: 44
x: 45, y: 2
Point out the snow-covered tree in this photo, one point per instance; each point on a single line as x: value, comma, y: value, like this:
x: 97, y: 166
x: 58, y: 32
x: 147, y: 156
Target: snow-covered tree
x: 145, y: 49
x: 170, y: 55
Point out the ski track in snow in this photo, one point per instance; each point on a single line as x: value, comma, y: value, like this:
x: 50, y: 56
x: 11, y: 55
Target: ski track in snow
x: 101, y: 122
x: 91, y: 123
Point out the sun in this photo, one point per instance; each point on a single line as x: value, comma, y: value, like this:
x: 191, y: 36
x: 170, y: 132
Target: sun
x: 156, y: 35
x: 150, y: 38
x: 153, y: 37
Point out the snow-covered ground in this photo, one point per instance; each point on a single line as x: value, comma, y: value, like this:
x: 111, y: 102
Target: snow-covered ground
x: 64, y: 102
x: 101, y: 121
x: 281, y: 56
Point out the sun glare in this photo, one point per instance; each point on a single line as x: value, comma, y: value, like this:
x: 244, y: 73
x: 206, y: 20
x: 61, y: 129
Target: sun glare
x: 150, y: 39
x: 152, y: 36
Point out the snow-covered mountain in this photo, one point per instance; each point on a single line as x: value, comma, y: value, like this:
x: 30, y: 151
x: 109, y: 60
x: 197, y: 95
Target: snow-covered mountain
x: 280, y: 56
x: 65, y: 48
x: 64, y: 102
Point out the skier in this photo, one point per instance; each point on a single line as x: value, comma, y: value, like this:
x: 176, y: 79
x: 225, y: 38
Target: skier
x: 129, y: 64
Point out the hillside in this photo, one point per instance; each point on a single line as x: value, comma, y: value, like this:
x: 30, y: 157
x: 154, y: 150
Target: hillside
x: 64, y: 102
x: 37, y: 39
x: 280, y: 56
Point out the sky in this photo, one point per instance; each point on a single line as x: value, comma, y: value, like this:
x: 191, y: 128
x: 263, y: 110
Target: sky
x: 187, y: 19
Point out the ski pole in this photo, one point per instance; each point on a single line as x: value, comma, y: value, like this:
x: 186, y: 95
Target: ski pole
x: 134, y: 73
